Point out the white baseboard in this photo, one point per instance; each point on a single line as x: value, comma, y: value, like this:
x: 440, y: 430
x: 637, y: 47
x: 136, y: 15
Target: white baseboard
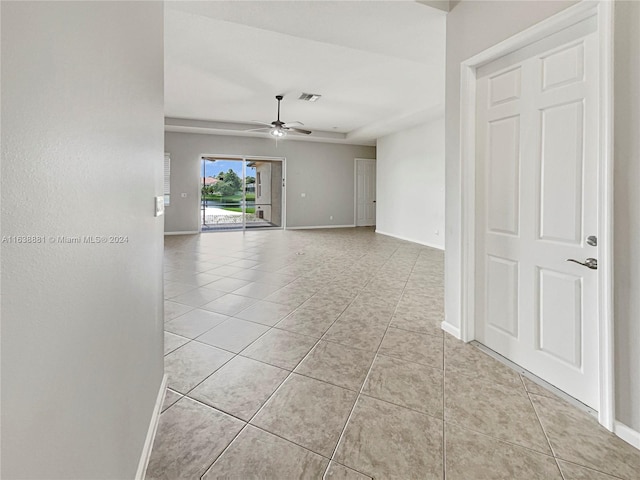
x: 182, y: 233
x: 317, y: 227
x: 400, y: 237
x: 151, y: 433
x: 450, y: 329
x: 628, y: 434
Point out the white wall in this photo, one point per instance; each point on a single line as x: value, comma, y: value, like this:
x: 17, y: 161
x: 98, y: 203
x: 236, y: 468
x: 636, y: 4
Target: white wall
x: 473, y: 26
x: 410, y: 184
x: 323, y: 171
x: 82, y: 152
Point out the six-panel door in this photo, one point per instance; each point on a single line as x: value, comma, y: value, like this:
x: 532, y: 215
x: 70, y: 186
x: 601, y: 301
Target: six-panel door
x: 537, y: 144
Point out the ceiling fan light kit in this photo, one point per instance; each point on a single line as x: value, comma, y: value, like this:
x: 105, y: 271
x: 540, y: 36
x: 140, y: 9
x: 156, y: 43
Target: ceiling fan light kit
x: 278, y: 132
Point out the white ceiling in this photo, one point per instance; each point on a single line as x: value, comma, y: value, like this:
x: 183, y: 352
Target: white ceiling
x: 379, y: 65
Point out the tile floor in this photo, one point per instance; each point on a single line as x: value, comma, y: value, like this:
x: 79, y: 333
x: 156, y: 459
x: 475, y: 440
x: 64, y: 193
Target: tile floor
x: 319, y: 354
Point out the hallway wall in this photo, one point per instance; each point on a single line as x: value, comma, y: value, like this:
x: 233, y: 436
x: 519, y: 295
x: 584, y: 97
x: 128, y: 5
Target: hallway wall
x: 82, y: 153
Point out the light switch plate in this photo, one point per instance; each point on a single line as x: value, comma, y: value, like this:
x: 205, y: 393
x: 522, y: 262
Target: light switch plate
x: 159, y: 202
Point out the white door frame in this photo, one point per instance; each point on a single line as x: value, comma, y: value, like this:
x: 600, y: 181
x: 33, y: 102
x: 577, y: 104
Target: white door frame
x: 244, y: 158
x: 355, y: 187
x: 603, y: 9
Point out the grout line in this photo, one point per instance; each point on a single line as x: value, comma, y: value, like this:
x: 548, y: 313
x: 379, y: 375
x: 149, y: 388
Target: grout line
x: 290, y: 441
x: 217, y: 409
x: 216, y: 370
x: 265, y: 404
x: 398, y: 359
x: 430, y: 415
x: 162, y: 409
x: 591, y: 469
x: 534, y: 378
x: 325, y: 381
x: 348, y: 468
x: 418, y: 332
x: 553, y: 454
x: 366, y: 378
x: 546, y: 436
x: 401, y: 359
x: 499, y: 440
x: 235, y: 354
x: 224, y: 413
x: 224, y: 451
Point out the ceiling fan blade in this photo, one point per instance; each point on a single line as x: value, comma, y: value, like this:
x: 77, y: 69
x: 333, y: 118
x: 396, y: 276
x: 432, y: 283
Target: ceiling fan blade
x: 258, y: 129
x: 293, y: 124
x: 261, y: 123
x: 299, y: 130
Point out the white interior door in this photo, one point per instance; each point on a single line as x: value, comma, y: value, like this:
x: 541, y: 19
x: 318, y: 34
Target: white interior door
x: 537, y: 181
x: 365, y: 192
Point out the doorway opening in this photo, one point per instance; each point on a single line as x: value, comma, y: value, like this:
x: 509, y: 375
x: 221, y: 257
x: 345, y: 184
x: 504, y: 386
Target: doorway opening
x: 241, y: 193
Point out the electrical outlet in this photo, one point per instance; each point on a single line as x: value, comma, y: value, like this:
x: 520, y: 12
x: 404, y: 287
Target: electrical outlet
x: 303, y: 195
x: 330, y: 217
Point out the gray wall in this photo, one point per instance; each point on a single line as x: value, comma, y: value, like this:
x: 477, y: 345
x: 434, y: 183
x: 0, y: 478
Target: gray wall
x: 410, y: 184
x: 473, y: 26
x: 82, y: 144
x: 627, y: 211
x: 323, y: 171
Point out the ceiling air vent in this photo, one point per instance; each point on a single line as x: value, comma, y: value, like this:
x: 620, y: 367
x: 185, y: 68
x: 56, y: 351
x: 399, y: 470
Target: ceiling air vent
x: 309, y: 97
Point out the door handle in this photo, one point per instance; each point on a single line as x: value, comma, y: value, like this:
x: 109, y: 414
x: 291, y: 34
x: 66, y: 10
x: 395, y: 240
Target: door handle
x: 591, y: 263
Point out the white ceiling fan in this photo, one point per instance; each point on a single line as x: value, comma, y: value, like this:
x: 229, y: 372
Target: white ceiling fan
x: 279, y: 129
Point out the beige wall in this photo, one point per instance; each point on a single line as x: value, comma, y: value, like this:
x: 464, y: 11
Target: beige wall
x: 473, y: 26
x: 82, y: 324
x: 323, y: 171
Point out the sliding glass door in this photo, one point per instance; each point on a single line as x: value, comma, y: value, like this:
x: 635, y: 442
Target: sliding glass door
x: 266, y: 191
x: 241, y: 193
